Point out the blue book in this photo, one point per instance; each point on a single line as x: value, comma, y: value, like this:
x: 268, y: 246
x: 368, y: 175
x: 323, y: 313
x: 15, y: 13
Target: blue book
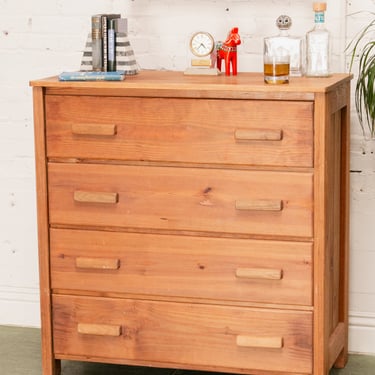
x: 92, y: 76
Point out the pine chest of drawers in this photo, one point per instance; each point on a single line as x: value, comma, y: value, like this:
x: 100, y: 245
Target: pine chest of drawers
x: 196, y: 223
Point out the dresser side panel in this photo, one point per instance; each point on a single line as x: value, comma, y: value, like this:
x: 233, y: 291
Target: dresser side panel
x: 331, y: 230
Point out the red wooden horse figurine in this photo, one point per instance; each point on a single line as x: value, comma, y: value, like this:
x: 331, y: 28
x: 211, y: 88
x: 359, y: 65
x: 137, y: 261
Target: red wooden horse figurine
x: 228, y: 52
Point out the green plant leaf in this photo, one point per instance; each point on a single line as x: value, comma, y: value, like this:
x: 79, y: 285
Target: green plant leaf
x: 365, y: 86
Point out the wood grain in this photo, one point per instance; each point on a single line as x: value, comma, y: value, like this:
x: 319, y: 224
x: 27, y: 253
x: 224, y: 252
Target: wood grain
x: 183, y: 266
x: 259, y: 273
x: 94, y: 129
x: 99, y: 329
x: 194, y: 224
x: 50, y: 366
x: 97, y: 263
x: 184, y: 131
x: 259, y: 205
x: 259, y: 342
x: 189, y: 199
x: 258, y: 134
x: 95, y: 197
x: 197, y: 334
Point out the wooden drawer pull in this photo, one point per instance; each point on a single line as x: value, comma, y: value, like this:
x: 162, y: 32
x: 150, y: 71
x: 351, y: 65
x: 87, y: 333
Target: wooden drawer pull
x: 99, y: 329
x: 95, y: 197
x: 259, y: 273
x: 258, y: 135
x: 259, y: 342
x: 98, y: 263
x: 94, y: 129
x: 259, y: 205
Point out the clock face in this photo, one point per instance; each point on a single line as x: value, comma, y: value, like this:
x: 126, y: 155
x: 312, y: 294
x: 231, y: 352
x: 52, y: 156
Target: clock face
x: 202, y: 44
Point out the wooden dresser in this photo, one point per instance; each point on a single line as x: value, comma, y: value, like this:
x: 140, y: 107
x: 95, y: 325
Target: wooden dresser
x: 194, y: 222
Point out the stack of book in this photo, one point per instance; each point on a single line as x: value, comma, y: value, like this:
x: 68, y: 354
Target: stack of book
x: 124, y: 58
x: 108, y: 54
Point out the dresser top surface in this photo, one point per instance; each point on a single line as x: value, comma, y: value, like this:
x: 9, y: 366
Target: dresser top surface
x: 165, y: 83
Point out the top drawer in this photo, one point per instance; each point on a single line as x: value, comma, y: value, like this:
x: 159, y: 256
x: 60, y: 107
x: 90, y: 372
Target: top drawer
x: 206, y: 131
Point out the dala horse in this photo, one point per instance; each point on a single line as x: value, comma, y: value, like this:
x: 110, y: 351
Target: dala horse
x: 227, y: 51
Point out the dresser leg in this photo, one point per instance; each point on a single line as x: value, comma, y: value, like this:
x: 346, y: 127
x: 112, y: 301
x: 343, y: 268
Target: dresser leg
x: 342, y: 359
x: 57, y: 367
x: 52, y: 367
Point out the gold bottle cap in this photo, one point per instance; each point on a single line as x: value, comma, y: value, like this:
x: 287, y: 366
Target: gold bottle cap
x: 319, y: 7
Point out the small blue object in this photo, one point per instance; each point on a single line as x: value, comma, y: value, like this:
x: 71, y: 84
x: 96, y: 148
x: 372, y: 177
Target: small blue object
x: 92, y: 76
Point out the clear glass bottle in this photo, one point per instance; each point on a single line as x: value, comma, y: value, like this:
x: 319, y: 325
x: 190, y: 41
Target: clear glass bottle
x: 294, y: 44
x: 318, y: 45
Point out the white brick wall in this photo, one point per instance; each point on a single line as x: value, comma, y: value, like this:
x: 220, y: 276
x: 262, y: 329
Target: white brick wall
x: 362, y: 242
x: 44, y: 37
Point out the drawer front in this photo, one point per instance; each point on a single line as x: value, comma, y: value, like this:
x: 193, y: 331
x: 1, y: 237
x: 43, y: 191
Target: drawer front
x: 187, y: 199
x: 183, y: 334
x: 208, y: 268
x: 204, y: 131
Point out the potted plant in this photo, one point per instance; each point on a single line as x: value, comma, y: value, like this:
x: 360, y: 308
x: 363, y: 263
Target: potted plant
x: 363, y: 47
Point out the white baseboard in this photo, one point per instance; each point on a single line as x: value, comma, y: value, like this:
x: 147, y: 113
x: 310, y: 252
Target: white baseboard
x: 19, y: 306
x: 362, y: 333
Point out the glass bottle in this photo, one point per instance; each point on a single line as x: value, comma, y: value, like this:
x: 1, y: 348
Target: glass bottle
x: 294, y: 44
x: 318, y: 45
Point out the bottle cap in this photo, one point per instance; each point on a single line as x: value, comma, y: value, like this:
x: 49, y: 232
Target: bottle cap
x: 319, y: 7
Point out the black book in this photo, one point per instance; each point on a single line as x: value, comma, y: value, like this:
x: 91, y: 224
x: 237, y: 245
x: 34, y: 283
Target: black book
x: 106, y: 20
